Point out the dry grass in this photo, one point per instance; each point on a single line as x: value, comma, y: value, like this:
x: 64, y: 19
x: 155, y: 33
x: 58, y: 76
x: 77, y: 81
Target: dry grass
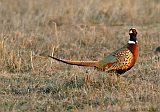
x: 76, y: 29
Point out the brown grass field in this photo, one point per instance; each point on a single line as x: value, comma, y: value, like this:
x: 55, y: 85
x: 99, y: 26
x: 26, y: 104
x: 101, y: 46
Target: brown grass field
x: 80, y: 30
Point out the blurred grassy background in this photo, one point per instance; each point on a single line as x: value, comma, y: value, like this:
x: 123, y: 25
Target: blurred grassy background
x: 80, y: 30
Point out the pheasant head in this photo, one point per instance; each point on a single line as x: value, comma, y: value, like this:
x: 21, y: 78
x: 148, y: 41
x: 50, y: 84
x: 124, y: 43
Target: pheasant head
x: 133, y: 36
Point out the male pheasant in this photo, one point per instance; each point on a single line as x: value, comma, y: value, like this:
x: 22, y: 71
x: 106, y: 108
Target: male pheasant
x: 118, y: 61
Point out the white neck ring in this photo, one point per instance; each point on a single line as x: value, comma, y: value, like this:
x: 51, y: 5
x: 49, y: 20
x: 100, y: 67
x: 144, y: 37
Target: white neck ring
x: 132, y: 42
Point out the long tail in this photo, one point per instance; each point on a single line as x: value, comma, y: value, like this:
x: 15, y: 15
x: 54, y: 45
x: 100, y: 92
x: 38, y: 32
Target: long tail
x: 78, y: 63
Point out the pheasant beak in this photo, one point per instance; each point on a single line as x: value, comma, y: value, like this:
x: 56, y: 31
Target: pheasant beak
x: 130, y: 31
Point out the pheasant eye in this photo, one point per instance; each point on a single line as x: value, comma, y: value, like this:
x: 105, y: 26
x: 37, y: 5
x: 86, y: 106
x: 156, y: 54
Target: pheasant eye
x: 134, y: 32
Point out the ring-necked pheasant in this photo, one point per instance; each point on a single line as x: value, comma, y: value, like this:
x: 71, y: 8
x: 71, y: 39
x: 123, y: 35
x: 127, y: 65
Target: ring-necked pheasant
x: 118, y: 61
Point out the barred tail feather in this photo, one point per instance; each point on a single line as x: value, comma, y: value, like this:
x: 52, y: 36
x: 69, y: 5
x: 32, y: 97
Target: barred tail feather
x: 78, y: 63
